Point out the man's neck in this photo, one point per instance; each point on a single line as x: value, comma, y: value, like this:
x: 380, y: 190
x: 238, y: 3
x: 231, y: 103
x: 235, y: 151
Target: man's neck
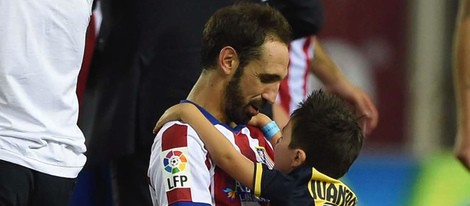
x: 208, y: 92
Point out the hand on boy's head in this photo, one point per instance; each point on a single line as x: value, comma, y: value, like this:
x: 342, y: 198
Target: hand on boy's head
x: 173, y: 113
x: 366, y: 108
x: 362, y: 103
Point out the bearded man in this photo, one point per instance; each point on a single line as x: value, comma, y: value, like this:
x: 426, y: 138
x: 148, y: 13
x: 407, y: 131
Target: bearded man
x: 244, y: 57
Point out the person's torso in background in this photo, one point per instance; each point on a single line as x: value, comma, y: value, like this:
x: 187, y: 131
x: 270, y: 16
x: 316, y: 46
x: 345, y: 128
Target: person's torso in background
x: 41, y: 50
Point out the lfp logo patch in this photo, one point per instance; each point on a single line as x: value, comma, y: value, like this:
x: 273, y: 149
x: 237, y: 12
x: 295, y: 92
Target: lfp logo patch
x: 177, y: 171
x: 175, y: 161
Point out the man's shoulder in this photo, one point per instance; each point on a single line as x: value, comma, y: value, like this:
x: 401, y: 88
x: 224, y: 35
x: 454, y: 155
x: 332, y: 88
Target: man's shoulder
x: 176, y: 134
x: 176, y: 128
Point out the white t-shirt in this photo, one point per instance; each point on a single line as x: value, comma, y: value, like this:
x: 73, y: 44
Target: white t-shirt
x: 41, y: 49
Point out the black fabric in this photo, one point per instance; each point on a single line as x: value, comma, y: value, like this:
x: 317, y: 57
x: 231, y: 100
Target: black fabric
x: 127, y: 172
x: 276, y: 186
x: 107, y: 116
x: 300, y: 194
x: 21, y: 186
x: 304, y: 16
x: 291, y: 190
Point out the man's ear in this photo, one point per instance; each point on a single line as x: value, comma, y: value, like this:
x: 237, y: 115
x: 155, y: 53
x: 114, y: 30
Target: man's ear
x: 299, y: 158
x: 228, y: 60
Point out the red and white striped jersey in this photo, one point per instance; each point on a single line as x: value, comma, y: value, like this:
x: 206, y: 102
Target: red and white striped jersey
x: 296, y: 86
x: 181, y: 170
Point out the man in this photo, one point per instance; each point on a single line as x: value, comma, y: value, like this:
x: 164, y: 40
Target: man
x: 244, y: 58
x: 41, y: 147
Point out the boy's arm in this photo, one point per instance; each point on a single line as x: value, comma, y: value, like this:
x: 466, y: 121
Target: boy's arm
x: 222, y: 151
x: 262, y: 181
x: 175, y: 113
x: 261, y: 121
x: 271, y: 184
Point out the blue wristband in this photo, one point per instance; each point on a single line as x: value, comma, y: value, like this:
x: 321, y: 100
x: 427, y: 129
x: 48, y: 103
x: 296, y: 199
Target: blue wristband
x: 270, y: 129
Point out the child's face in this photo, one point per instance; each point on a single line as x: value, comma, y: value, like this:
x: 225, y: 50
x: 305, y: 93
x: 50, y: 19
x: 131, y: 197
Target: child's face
x: 284, y: 156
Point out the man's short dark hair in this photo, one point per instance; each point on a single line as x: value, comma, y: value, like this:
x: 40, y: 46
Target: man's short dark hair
x: 327, y: 129
x: 244, y: 27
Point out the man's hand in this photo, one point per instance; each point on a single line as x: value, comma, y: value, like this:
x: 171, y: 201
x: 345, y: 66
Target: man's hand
x: 462, y: 148
x: 331, y: 76
x: 361, y: 102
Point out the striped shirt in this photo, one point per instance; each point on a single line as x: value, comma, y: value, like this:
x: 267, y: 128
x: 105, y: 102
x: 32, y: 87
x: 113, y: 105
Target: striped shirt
x: 296, y: 85
x: 181, y: 171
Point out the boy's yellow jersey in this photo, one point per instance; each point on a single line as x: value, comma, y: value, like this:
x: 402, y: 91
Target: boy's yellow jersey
x: 327, y: 191
x: 305, y: 186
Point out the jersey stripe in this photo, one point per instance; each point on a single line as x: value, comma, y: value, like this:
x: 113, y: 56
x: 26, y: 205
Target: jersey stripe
x: 243, y: 143
x: 295, y: 86
x: 308, y: 60
x: 257, y: 180
x: 190, y: 204
x: 284, y: 97
x: 178, y: 195
x: 174, y: 137
x: 309, y: 185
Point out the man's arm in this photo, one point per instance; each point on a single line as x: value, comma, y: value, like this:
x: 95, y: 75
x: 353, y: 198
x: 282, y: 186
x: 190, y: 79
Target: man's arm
x: 461, y: 69
x: 331, y: 76
x: 177, y: 172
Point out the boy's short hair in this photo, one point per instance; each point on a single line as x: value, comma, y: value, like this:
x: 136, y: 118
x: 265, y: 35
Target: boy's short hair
x: 326, y: 128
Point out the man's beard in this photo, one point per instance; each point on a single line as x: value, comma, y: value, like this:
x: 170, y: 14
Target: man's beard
x: 235, y: 108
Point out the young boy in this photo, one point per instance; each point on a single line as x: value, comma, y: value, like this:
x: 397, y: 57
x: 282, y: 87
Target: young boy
x: 319, y: 144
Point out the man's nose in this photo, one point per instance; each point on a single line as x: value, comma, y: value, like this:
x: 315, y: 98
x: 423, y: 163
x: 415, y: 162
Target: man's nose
x: 270, y: 93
